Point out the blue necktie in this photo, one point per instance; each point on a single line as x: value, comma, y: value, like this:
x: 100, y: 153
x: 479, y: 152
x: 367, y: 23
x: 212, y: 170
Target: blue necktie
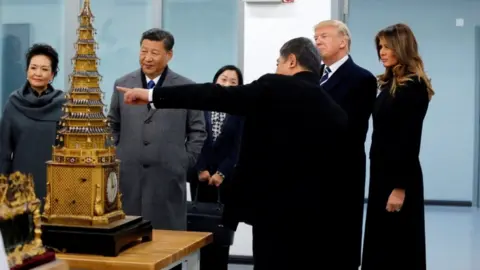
x: 150, y: 84
x: 326, y: 72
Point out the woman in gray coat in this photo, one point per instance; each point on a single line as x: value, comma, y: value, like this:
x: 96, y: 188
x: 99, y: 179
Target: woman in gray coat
x: 29, y: 121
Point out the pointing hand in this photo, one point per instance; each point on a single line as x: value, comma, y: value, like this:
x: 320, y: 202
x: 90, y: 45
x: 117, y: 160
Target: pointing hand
x: 134, y: 96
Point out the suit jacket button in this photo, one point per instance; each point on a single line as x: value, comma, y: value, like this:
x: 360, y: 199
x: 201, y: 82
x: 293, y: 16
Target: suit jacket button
x: 146, y: 143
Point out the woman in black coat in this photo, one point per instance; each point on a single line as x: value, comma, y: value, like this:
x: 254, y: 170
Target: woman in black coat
x: 395, y: 226
x: 216, y: 162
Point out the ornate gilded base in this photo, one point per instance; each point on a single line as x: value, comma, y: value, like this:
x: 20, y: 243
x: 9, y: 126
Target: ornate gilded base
x: 20, y: 219
x: 36, y: 261
x: 84, y: 220
x: 106, y: 240
x: 23, y: 253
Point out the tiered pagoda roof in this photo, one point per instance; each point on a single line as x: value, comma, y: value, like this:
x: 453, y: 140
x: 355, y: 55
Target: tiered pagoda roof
x: 84, y: 132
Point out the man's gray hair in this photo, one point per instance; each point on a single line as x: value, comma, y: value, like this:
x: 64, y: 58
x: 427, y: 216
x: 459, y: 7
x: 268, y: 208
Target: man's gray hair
x: 306, y: 53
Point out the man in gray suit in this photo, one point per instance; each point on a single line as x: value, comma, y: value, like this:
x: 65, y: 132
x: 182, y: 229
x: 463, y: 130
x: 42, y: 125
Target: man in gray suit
x: 156, y: 147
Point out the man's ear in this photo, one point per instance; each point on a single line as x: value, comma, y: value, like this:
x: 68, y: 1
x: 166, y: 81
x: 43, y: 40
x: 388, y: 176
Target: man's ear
x: 170, y: 55
x: 343, y: 43
x: 292, y: 61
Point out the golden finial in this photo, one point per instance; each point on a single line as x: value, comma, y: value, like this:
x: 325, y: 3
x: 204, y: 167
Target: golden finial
x: 86, y: 4
x: 86, y: 11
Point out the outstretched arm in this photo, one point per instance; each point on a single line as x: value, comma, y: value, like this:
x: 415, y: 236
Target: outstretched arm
x: 236, y: 100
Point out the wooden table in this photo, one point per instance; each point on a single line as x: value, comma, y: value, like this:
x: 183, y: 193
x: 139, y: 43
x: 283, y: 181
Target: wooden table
x: 55, y: 265
x: 166, y: 250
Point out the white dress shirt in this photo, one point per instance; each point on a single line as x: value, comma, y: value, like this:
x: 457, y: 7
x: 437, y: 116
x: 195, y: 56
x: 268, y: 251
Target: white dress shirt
x: 150, y: 94
x: 335, y: 66
x: 154, y: 80
x: 150, y: 98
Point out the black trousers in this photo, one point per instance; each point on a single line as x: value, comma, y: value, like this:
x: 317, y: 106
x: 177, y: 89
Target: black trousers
x: 296, y: 247
x: 265, y: 256
x: 214, y: 257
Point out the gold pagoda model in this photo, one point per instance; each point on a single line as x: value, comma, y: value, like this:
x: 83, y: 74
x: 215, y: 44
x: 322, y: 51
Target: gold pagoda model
x: 83, y: 175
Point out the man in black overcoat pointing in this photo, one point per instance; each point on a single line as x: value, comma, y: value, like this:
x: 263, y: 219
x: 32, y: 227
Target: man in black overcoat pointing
x: 292, y: 146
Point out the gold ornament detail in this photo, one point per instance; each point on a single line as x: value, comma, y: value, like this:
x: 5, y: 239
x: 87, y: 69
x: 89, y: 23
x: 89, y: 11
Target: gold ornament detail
x: 20, y: 208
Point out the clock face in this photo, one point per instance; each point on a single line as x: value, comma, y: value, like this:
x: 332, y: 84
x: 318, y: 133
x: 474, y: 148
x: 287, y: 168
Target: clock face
x: 112, y: 187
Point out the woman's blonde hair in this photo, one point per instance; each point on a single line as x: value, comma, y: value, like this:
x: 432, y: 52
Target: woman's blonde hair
x: 402, y: 41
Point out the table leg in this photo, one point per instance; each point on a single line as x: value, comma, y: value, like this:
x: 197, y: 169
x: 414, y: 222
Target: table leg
x: 191, y: 262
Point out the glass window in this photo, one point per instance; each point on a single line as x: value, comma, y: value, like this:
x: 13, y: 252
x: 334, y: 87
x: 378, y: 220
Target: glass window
x: 22, y: 24
x: 119, y: 26
x: 206, y: 35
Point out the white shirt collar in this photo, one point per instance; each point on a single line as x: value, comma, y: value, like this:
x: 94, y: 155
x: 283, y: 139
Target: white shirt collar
x: 335, y: 66
x: 154, y: 80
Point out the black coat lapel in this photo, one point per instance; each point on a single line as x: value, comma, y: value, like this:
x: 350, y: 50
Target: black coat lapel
x: 208, y: 125
x: 338, y: 75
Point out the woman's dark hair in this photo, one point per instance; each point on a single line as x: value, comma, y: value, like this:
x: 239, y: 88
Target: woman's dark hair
x: 401, y: 40
x: 46, y: 50
x: 229, y: 67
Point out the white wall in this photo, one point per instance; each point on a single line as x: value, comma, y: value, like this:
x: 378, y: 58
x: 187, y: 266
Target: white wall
x: 267, y: 27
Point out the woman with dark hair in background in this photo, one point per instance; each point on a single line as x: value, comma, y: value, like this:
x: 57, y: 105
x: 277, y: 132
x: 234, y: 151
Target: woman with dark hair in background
x: 216, y: 162
x: 29, y: 121
x: 395, y: 226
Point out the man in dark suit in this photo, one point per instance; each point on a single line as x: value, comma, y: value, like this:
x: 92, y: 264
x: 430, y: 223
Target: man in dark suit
x: 355, y: 90
x: 292, y: 145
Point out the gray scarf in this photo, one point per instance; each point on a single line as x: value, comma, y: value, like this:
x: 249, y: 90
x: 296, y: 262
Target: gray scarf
x: 44, y: 108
